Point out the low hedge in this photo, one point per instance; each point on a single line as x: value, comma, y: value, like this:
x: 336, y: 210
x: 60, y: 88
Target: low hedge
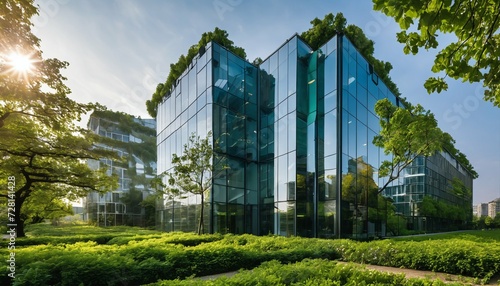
x: 453, y: 256
x: 144, y: 259
x: 317, y: 272
x: 139, y: 262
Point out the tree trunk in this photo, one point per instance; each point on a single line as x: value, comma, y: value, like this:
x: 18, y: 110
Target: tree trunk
x: 201, y: 225
x: 21, y: 196
x: 19, y: 221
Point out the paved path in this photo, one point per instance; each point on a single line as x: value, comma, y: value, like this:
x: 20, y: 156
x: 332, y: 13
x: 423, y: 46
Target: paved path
x: 409, y: 273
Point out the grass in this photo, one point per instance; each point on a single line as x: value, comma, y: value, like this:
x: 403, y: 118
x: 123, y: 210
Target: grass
x: 40, y: 230
x: 469, y: 235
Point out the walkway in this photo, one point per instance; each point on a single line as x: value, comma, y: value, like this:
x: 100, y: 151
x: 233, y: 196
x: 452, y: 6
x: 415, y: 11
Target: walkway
x: 409, y: 273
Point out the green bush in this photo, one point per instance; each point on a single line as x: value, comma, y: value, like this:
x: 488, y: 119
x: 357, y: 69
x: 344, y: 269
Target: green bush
x: 137, y: 258
x: 309, y: 272
x: 453, y: 256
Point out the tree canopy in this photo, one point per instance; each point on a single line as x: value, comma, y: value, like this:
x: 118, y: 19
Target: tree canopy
x: 406, y: 133
x: 219, y: 36
x: 474, y: 56
x: 323, y: 30
x: 42, y: 149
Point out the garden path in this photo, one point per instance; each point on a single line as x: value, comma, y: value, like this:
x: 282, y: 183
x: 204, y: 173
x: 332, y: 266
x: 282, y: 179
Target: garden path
x: 409, y: 273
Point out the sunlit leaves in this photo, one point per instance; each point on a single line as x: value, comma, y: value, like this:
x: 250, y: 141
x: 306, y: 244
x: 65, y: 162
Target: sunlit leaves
x: 474, y: 56
x: 41, y: 144
x: 434, y: 84
x: 406, y: 133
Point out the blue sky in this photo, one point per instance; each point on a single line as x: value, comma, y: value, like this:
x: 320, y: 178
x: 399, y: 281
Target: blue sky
x: 120, y: 50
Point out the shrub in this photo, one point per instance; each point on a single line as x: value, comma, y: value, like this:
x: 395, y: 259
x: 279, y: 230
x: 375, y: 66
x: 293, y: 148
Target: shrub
x: 310, y: 272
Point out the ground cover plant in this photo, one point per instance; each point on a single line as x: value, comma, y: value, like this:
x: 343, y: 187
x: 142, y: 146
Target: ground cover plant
x: 311, y: 272
x: 133, y: 256
x: 473, y: 235
x: 44, y: 234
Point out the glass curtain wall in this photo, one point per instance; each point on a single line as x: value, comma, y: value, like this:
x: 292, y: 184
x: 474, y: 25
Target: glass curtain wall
x: 278, y: 132
x: 327, y: 140
x: 235, y: 123
x: 293, y: 146
x: 362, y: 214
x: 187, y: 110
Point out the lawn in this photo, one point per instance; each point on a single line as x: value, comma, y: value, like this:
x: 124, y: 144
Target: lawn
x: 88, y: 255
x: 470, y: 235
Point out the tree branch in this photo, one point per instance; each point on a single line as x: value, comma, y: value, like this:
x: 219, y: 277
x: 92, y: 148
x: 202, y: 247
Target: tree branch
x: 490, y: 34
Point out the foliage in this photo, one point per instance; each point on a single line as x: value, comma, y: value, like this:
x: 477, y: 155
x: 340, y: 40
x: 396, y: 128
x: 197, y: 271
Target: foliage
x: 41, y: 147
x: 146, y: 150
x: 475, y: 54
x: 136, y: 256
x: 312, y: 272
x: 163, y: 89
x: 323, y: 30
x: 41, y: 205
x: 125, y: 122
x: 484, y: 222
x: 133, y: 151
x: 448, y: 256
x: 430, y: 207
x: 192, y: 172
x: 406, y: 133
x: 39, y: 92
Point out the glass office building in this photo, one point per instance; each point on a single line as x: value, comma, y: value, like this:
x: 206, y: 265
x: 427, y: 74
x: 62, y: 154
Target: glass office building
x: 134, y: 171
x: 296, y: 133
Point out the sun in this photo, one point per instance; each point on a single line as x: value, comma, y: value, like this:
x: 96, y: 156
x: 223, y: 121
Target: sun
x: 20, y: 63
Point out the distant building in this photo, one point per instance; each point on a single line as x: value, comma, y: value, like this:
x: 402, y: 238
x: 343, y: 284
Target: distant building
x: 134, y: 140
x: 297, y: 135
x: 481, y: 210
x: 494, y: 208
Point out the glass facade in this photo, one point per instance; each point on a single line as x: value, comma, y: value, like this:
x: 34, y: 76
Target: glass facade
x: 134, y: 173
x: 296, y: 133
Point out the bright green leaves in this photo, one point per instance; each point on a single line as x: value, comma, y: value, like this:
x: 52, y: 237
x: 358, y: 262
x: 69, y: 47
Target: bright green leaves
x: 406, y: 133
x: 323, y: 30
x: 434, y: 84
x: 41, y: 144
x: 473, y: 57
x: 192, y: 171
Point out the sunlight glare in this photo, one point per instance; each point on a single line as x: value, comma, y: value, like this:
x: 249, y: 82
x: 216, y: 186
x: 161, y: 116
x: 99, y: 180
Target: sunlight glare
x: 20, y: 63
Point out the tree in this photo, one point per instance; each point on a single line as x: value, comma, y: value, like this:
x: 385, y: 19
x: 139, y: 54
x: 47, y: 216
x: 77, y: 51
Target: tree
x: 41, y: 206
x: 48, y: 162
x: 192, y: 172
x: 163, y: 89
x: 406, y: 134
x: 496, y: 220
x: 42, y: 150
x: 488, y: 222
x: 475, y: 54
x: 30, y: 85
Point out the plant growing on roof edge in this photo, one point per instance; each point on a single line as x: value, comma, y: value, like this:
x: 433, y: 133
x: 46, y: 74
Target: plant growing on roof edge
x: 162, y: 89
x: 323, y: 30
